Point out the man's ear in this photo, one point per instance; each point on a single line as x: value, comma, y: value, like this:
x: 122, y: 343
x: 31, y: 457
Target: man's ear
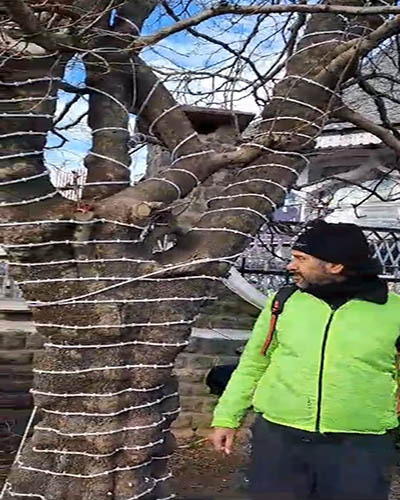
x: 335, y: 268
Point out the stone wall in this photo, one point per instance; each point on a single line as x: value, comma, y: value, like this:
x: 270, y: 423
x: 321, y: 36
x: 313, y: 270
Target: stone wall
x: 209, y: 345
x: 206, y: 349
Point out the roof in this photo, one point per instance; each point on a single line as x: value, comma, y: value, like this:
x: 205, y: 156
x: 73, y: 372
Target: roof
x: 381, y: 71
x: 205, y: 119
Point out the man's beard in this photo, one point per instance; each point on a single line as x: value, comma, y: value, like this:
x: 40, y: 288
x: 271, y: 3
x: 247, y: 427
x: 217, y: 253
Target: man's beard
x: 304, y: 283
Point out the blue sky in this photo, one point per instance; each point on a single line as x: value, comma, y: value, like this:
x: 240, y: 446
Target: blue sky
x: 180, y: 52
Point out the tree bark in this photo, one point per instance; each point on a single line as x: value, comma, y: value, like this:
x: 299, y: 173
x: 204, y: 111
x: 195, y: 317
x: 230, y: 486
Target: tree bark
x: 115, y: 314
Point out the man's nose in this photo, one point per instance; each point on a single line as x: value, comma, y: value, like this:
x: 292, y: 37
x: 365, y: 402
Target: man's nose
x: 291, y: 266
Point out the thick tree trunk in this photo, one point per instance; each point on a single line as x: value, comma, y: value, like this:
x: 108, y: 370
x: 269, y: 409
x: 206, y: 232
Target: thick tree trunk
x: 113, y: 314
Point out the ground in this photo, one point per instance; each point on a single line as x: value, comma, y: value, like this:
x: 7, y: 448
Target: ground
x: 202, y: 474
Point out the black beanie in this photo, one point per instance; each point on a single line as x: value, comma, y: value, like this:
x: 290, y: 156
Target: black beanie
x: 338, y: 243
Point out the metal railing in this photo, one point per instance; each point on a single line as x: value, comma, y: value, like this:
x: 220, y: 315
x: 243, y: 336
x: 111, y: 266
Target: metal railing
x: 264, y: 263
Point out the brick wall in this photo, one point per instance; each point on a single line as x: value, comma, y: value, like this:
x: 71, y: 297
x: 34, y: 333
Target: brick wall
x: 19, y: 341
x: 206, y: 349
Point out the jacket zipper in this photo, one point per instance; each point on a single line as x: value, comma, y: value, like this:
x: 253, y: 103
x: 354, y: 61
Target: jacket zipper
x: 321, y: 371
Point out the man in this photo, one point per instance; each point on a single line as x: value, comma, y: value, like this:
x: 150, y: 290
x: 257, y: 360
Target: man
x: 325, y: 391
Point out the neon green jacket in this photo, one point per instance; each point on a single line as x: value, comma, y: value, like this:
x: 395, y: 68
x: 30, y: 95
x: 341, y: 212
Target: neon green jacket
x: 325, y: 371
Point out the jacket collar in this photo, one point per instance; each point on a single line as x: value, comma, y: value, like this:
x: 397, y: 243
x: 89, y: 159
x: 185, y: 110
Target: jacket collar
x: 368, y: 288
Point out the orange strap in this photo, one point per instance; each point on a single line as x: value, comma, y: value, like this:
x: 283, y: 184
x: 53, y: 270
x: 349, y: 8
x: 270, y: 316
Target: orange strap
x: 272, y: 327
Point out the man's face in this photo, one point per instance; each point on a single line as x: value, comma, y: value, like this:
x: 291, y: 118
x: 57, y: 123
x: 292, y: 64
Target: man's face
x: 309, y: 270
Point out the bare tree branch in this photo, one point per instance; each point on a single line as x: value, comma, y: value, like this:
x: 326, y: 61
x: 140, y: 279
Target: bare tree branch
x: 220, y: 10
x: 24, y: 17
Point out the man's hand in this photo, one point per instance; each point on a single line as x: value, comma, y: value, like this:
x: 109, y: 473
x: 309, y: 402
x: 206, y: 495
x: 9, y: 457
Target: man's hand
x: 222, y: 439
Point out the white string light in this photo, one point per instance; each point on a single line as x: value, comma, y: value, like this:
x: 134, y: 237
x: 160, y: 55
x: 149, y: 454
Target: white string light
x: 100, y: 455
x: 24, y: 179
x: 164, y: 457
x: 183, y: 141
x: 108, y: 158
x: 169, y: 413
x: 101, y: 433
x: 170, y: 497
x: 111, y: 97
x: 84, y: 476
x: 266, y: 181
x: 247, y: 209
x: 140, y: 495
x: 135, y: 301
x: 291, y: 133
x: 123, y: 325
x: 70, y: 242
x: 67, y: 279
x: 70, y: 300
x: 128, y: 21
x: 164, y: 478
x: 96, y: 395
x: 105, y: 183
x: 119, y: 344
x: 29, y: 99
x: 42, y: 497
x: 21, y: 444
x: 226, y: 229
x: 29, y: 81
x: 192, y: 155
x: 278, y: 152
x: 20, y: 155
x: 256, y: 195
x: 311, y: 82
x: 162, y: 115
x: 312, y: 46
x: 140, y: 366
x: 102, y: 129
x: 196, y: 179
x: 146, y: 101
x: 170, y: 183
x: 74, y: 221
x: 301, y: 103
x: 112, y: 414
x: 21, y: 133
x: 280, y: 118
x: 29, y: 201
x: 8, y: 489
x: 25, y: 115
x: 328, y: 32
x: 277, y: 165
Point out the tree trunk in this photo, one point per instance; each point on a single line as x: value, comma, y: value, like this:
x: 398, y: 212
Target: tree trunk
x: 114, y: 314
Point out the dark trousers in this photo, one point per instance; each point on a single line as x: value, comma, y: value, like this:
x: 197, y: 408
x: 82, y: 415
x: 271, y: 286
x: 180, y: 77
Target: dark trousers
x: 290, y: 464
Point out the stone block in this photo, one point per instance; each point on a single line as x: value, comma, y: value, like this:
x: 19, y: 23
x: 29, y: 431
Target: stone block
x: 188, y: 389
x: 226, y: 360
x: 180, y: 361
x: 191, y: 376
x: 34, y: 341
x: 201, y: 420
x: 16, y: 357
x: 15, y: 340
x: 217, y: 346
x: 209, y: 404
x: 192, y: 404
x: 184, y: 421
x: 184, y: 435
x: 16, y: 381
x: 195, y: 361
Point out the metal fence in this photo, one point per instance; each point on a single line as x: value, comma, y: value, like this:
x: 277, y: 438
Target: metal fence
x: 264, y: 263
